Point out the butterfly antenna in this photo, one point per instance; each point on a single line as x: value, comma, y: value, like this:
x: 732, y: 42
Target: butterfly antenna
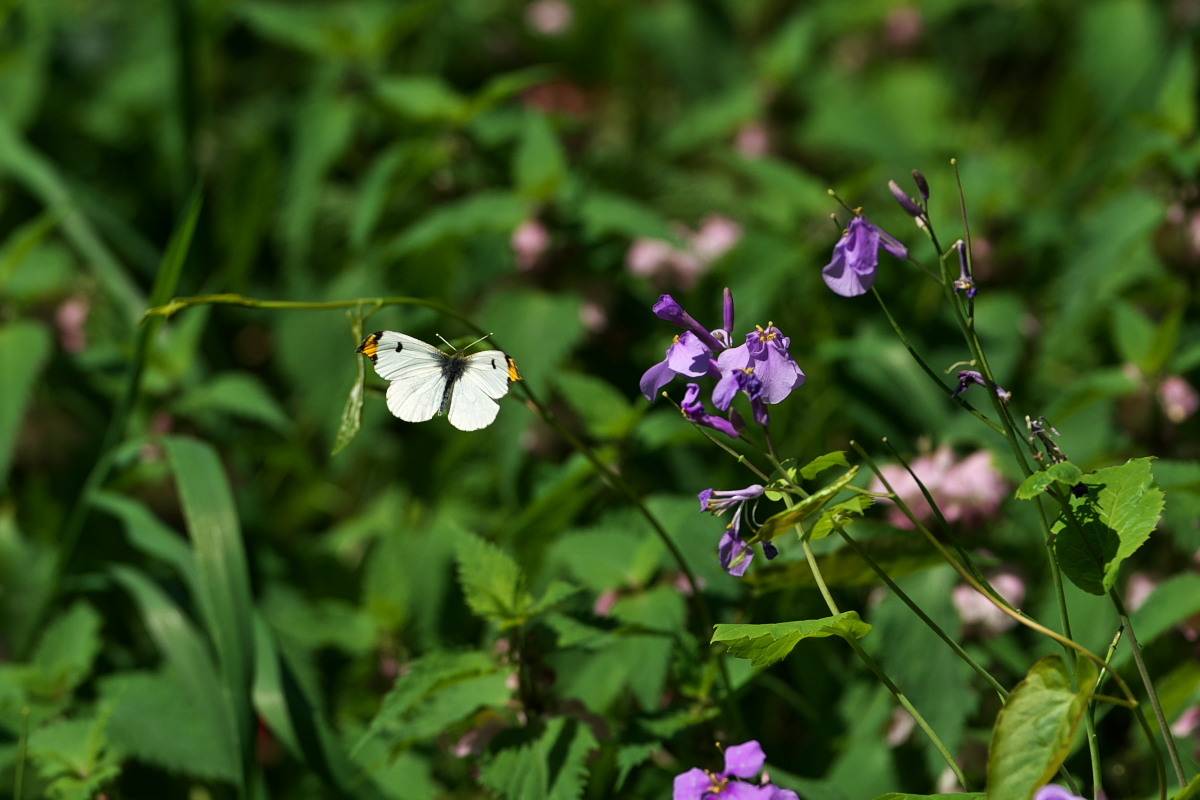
x: 460, y: 349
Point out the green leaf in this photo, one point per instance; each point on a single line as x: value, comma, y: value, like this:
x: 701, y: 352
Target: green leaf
x: 539, y: 165
x: 606, y: 412
x: 1035, y: 728
x: 74, y: 755
x: 821, y: 463
x: 1114, y: 519
x: 438, y: 691
x: 491, y: 580
x: 189, y: 739
x: 224, y: 594
x: 551, y: 767
x: 606, y: 214
x: 905, y: 796
x: 238, y: 394
x: 1063, y: 473
x: 24, y: 348
x: 352, y: 413
x: 150, y: 535
x: 841, y: 514
x: 422, y: 98
x: 766, y: 644
x: 188, y: 664
x: 1191, y: 791
x: 784, y: 520
x: 67, y: 649
x: 482, y: 212
x: 898, y: 555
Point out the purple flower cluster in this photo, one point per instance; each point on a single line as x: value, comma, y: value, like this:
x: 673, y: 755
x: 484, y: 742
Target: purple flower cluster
x: 741, y: 762
x: 734, y: 553
x: 761, y: 367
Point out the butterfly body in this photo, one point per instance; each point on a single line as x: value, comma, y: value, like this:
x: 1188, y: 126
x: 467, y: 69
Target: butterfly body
x: 425, y: 381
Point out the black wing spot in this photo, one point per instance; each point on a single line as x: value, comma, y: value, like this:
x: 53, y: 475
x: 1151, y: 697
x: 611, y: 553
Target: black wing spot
x: 399, y: 346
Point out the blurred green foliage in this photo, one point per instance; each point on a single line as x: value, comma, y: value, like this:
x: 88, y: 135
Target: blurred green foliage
x: 196, y: 596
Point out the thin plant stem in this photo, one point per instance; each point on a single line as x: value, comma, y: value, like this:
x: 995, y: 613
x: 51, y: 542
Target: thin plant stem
x: 916, y: 609
x: 1152, y: 695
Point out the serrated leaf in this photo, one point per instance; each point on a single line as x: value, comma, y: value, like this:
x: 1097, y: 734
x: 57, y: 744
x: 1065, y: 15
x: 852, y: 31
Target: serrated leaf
x: 551, y: 767
x: 766, y: 644
x: 841, y: 514
x: 784, y: 520
x: 821, y: 463
x: 555, y: 593
x: 425, y: 679
x: 68, y: 647
x: 185, y: 740
x: 1113, y: 520
x: 1064, y: 473
x: 1035, y: 728
x: 491, y: 580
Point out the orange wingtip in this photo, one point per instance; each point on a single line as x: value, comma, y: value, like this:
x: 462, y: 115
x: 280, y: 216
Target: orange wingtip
x: 370, y: 345
x: 513, y: 374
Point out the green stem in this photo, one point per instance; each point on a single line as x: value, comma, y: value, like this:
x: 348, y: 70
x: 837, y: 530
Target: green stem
x: 1136, y: 649
x: 925, y: 367
x: 916, y: 609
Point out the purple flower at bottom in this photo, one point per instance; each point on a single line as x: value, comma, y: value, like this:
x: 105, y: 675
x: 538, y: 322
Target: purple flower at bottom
x: 742, y: 380
x: 968, y: 377
x: 1053, y: 791
x: 856, y: 257
x: 741, y: 761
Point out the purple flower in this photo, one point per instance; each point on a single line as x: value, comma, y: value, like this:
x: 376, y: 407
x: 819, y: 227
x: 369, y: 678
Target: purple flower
x: 741, y: 761
x: 734, y: 554
x: 856, y: 257
x: 967, y: 377
x: 1053, y: 791
x: 965, y: 282
x: 693, y: 411
x: 765, y: 354
x: 742, y: 380
x: 687, y: 356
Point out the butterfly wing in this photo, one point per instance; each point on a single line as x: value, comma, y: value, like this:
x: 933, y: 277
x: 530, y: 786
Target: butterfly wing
x: 484, y: 380
x: 416, y: 372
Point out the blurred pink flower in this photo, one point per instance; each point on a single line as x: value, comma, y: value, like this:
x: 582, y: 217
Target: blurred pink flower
x: 979, y: 615
x: 968, y: 491
x: 1188, y: 723
x: 70, y: 317
x: 753, y: 140
x: 682, y: 266
x: 1178, y: 398
x: 549, y: 17
x: 716, y: 237
x: 529, y: 241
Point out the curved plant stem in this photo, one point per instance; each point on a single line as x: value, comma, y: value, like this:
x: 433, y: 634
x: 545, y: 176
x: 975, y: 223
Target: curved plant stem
x: 1136, y: 649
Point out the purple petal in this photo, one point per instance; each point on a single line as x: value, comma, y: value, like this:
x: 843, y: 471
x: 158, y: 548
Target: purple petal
x: 705, y: 497
x: 772, y: 792
x: 655, y: 378
x: 692, y: 785
x: 778, y: 371
x: 738, y: 790
x: 726, y: 388
x: 745, y: 760
x: 905, y: 201
x: 666, y: 308
x: 729, y: 549
x: 769, y: 550
x: 689, y: 356
x: 728, y: 312
x: 1052, y: 791
x: 841, y: 279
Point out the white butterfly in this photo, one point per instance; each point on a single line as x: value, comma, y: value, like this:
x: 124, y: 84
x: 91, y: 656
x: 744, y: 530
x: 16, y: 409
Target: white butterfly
x: 427, y: 381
